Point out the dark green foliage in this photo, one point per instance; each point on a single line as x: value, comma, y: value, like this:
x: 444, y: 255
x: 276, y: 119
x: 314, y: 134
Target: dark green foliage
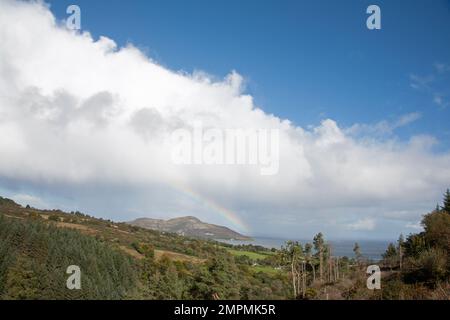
x: 7, y: 202
x: 164, y: 281
x: 427, y: 254
x: 415, y: 244
x: 446, y: 206
x: 118, y: 261
x: 430, y: 267
x: 35, y: 258
x: 391, y: 252
x: 390, y: 257
x: 53, y: 218
x: 244, y: 260
x: 357, y: 251
x: 437, y: 230
x: 395, y: 288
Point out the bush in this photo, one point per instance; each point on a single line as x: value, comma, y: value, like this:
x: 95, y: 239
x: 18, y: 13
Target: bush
x: 430, y: 267
x: 437, y: 229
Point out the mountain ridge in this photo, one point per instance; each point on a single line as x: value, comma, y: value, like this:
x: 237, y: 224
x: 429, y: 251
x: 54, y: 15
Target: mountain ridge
x: 189, y: 226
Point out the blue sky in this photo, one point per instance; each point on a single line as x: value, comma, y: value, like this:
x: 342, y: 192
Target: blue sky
x: 302, y: 60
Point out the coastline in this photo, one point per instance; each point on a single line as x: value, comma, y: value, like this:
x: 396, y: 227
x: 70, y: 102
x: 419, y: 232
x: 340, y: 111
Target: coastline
x: 371, y: 249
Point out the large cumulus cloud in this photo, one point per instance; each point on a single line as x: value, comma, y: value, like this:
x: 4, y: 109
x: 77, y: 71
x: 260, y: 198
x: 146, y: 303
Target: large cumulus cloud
x: 85, y: 123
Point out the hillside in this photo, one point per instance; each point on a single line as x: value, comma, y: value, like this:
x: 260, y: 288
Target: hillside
x: 120, y: 261
x: 123, y: 261
x: 35, y: 257
x: 189, y: 226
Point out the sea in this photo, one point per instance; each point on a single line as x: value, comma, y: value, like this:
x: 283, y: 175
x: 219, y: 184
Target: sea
x: 370, y: 249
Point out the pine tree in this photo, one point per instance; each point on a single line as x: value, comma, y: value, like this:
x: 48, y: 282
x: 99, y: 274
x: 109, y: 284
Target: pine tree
x: 391, y: 255
x: 446, y: 206
x: 357, y: 251
x: 309, y: 259
x: 319, y: 247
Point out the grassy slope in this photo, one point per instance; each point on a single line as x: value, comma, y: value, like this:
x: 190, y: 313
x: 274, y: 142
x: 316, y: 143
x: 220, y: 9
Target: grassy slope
x: 124, y: 237
x: 252, y: 255
x: 119, y: 235
x: 182, y: 267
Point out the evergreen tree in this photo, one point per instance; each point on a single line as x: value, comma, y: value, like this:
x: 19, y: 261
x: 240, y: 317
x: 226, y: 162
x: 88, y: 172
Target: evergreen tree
x: 310, y: 260
x: 390, y: 257
x: 319, y: 243
x: 357, y: 251
x: 36, y: 257
x: 446, y: 206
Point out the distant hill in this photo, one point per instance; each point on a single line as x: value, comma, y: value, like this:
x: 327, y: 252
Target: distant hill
x: 189, y: 226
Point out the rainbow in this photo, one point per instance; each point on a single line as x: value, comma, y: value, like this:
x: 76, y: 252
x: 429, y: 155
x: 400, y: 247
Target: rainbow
x: 231, y: 217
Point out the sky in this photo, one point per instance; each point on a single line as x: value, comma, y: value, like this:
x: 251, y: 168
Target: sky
x: 363, y: 114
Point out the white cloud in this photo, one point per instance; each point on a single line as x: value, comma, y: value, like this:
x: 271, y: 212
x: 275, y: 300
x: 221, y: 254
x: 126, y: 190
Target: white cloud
x: 31, y: 200
x: 438, y: 100
x: 407, y: 119
x: 367, y: 224
x: 416, y: 226
x: 421, y: 82
x: 383, y: 127
x: 434, y: 85
x: 83, y: 119
x: 442, y: 67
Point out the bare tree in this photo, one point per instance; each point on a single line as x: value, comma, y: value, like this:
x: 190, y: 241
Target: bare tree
x: 294, y: 256
x: 400, y: 250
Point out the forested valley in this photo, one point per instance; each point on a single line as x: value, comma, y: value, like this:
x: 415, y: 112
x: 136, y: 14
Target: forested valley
x: 120, y: 261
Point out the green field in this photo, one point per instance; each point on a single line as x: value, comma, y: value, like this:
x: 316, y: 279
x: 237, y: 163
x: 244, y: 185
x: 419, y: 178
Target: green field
x: 265, y: 269
x: 250, y: 254
x: 255, y: 256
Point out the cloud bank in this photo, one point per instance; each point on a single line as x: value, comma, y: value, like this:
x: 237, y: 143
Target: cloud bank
x: 84, y: 124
